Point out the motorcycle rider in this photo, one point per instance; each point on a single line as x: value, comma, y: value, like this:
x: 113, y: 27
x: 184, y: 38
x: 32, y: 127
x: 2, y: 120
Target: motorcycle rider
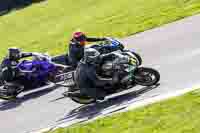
x: 86, y: 77
x: 8, y: 66
x: 77, y: 45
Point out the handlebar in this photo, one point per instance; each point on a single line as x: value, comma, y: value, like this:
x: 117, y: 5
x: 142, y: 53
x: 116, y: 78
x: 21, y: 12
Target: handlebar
x: 40, y: 56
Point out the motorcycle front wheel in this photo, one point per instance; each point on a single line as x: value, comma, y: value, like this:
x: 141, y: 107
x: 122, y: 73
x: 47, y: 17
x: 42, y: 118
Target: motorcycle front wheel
x: 139, y: 58
x: 146, y: 76
x: 9, y: 91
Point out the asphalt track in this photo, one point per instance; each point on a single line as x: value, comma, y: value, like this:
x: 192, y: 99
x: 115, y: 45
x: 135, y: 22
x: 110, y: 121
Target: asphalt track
x: 172, y: 49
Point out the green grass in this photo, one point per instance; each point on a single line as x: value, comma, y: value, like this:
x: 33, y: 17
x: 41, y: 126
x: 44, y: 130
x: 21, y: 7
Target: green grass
x: 47, y: 26
x: 177, y: 115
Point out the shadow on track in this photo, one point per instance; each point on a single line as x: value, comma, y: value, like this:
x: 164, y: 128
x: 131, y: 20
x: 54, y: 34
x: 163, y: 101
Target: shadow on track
x: 8, y: 5
x: 87, y: 112
x: 6, y: 105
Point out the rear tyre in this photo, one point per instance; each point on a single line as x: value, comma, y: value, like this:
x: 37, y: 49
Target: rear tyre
x: 146, y: 76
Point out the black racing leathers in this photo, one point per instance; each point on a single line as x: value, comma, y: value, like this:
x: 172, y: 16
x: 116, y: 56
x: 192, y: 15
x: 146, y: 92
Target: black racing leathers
x: 89, y: 82
x: 76, y: 51
x: 8, y: 68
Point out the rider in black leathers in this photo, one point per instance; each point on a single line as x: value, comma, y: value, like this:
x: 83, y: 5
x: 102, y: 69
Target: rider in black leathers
x: 76, y: 49
x: 8, y: 70
x: 77, y: 45
x: 86, y: 77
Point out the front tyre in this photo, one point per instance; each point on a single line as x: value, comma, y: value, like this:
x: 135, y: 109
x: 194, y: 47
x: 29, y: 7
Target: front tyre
x: 10, y: 91
x: 139, y: 58
x: 146, y: 76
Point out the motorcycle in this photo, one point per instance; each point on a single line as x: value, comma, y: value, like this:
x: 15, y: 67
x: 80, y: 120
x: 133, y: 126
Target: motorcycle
x: 113, y: 44
x: 103, y: 47
x: 32, y: 74
x: 130, y: 74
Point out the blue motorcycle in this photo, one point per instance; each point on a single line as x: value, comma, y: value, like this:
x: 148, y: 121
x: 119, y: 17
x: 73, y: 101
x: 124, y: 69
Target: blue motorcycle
x: 31, y: 74
x: 113, y: 44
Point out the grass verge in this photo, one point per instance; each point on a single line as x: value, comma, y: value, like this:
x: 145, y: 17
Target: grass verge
x: 177, y: 115
x: 47, y: 26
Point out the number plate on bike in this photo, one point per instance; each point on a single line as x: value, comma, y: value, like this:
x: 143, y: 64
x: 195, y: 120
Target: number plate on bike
x: 67, y: 79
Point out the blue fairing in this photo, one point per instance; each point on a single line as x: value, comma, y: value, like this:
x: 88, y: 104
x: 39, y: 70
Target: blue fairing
x: 114, y: 43
x: 36, y: 71
x: 109, y: 46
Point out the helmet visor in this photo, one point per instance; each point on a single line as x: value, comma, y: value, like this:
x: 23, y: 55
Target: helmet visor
x: 81, y: 38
